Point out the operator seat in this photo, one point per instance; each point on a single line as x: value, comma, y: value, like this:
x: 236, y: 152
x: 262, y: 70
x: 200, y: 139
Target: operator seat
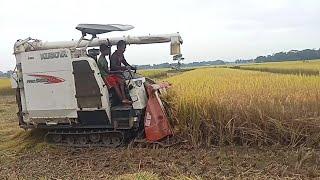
x: 93, y: 53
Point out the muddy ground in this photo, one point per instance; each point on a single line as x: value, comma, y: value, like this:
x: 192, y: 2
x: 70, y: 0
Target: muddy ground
x: 23, y: 155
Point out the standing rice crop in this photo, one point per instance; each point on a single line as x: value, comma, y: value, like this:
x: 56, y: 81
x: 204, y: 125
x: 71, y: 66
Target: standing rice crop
x: 154, y: 73
x: 226, y: 106
x: 289, y: 67
x: 5, y: 87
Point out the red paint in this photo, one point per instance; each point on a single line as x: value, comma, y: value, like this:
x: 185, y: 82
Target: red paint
x: 156, y: 121
x: 50, y: 79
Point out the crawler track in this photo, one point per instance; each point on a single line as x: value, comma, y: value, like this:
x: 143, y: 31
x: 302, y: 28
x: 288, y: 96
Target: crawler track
x: 86, y: 138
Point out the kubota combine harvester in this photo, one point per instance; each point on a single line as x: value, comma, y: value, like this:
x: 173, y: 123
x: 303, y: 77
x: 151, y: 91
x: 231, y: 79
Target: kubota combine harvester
x: 59, y: 88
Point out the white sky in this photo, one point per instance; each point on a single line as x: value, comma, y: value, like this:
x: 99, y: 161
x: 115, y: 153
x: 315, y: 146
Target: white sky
x: 211, y: 29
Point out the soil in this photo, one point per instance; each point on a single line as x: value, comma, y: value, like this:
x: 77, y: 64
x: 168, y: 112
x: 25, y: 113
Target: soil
x: 228, y: 162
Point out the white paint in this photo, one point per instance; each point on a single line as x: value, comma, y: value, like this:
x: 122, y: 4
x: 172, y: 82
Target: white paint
x: 138, y: 93
x: 48, y: 100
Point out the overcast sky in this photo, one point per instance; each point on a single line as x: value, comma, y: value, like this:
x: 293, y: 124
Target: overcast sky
x: 211, y: 29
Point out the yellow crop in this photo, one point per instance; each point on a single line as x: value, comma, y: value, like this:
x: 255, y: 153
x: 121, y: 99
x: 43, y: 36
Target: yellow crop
x: 290, y: 67
x: 228, y: 106
x: 5, y: 87
x: 154, y: 73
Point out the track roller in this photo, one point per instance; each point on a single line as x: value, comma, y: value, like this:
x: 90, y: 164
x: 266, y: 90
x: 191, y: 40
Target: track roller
x: 82, y: 138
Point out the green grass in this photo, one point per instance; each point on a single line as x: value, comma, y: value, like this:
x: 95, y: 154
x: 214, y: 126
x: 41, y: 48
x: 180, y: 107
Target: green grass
x: 288, y: 67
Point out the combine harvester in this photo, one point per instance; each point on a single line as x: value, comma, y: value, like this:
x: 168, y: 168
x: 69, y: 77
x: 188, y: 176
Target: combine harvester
x: 59, y: 88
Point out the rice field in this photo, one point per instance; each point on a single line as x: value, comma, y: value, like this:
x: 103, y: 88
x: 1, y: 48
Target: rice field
x: 221, y: 106
x: 160, y: 74
x: 5, y: 87
x: 216, y: 106
x: 208, y: 106
x: 154, y: 73
x: 311, y: 67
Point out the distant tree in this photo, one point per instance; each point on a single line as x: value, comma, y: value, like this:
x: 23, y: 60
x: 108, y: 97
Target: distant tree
x: 193, y: 64
x: 260, y: 59
x: 293, y: 55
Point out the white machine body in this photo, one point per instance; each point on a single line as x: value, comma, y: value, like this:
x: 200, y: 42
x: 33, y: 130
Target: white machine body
x: 57, y: 80
x: 48, y: 88
x: 138, y: 93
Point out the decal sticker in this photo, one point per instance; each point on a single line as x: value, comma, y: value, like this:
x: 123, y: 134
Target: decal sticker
x: 52, y: 55
x: 45, y: 79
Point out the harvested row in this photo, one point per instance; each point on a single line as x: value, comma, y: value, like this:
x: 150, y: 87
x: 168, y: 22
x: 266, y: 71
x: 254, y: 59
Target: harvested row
x: 296, y: 67
x: 226, y: 106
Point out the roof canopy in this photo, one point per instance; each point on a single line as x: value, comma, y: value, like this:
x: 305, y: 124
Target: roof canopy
x: 102, y: 28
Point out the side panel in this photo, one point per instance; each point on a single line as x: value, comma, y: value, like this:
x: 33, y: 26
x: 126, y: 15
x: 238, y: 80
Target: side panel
x: 91, y: 92
x: 94, y: 118
x: 49, y: 84
x: 87, y: 90
x: 138, y: 93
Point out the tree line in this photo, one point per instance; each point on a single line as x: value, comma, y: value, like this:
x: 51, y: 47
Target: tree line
x: 192, y: 64
x: 293, y: 55
x: 6, y: 74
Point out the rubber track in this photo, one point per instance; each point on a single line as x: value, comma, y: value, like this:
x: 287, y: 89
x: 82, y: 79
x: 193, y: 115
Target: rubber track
x: 85, y: 133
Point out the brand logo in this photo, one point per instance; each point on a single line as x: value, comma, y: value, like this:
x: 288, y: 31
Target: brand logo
x: 45, y: 79
x: 53, y: 55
